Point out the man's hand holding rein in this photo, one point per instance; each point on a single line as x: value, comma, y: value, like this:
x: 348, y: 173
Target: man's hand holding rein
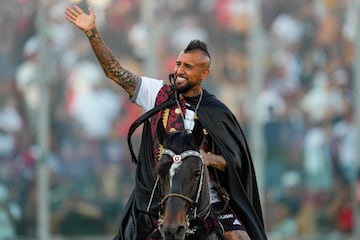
x: 216, y: 161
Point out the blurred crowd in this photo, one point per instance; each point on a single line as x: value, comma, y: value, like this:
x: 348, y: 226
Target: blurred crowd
x: 306, y: 107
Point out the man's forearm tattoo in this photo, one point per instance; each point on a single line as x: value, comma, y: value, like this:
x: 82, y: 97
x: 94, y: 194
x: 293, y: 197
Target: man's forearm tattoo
x: 110, y: 64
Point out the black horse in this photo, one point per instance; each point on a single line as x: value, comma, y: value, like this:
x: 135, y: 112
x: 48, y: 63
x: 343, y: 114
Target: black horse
x: 183, y: 179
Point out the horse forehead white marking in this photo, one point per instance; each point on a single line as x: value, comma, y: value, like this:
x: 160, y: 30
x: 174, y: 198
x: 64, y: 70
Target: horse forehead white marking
x: 172, y: 170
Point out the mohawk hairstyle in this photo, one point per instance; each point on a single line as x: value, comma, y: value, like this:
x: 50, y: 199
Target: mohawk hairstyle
x: 197, y: 45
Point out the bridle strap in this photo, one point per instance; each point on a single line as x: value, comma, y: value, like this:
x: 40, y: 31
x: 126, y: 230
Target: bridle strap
x: 183, y: 155
x: 152, y: 194
x: 178, y: 196
x: 178, y: 158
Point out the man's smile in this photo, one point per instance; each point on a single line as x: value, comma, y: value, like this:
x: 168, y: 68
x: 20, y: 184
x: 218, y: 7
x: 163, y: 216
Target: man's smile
x: 180, y: 80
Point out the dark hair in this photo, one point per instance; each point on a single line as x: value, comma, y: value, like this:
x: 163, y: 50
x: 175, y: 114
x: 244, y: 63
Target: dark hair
x: 197, y: 45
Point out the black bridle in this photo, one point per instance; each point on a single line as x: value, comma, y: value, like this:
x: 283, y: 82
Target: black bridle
x: 194, y: 200
x: 176, y: 160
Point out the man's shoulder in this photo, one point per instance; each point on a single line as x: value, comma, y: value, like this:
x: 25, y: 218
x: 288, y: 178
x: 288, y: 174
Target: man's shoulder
x: 213, y: 109
x: 164, y: 94
x: 211, y: 102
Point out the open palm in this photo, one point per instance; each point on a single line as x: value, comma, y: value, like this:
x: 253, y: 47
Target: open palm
x: 80, y: 19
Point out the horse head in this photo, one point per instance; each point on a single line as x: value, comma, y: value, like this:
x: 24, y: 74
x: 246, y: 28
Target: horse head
x: 183, y: 181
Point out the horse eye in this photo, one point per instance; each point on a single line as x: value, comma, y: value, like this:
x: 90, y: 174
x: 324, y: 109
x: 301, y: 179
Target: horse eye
x: 197, y: 174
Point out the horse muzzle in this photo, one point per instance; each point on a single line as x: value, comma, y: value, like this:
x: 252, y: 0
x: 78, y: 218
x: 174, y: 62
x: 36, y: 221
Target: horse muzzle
x: 173, y: 225
x: 173, y: 231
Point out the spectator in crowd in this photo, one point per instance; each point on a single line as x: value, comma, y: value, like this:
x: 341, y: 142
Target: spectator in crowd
x: 10, y: 213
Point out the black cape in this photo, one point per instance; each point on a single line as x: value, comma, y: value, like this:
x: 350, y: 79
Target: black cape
x: 239, y: 178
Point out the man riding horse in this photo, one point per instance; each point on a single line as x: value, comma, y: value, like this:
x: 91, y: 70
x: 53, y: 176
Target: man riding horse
x: 225, y: 152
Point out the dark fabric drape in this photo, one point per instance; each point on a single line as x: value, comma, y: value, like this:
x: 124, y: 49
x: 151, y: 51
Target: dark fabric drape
x: 239, y: 178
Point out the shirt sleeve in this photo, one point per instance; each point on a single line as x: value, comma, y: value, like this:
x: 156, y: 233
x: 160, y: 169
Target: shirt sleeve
x: 146, y: 92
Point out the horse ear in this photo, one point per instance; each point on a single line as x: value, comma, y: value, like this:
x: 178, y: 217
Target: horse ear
x: 160, y: 131
x: 197, y: 133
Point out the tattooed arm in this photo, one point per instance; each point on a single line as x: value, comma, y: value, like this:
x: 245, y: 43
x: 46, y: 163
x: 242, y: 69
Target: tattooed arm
x: 107, y: 60
x: 110, y: 64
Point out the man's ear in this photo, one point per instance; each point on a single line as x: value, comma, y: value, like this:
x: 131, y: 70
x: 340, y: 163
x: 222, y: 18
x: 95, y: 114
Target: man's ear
x: 205, y: 74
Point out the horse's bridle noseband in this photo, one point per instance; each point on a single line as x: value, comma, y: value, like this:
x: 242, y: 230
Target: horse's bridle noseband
x: 177, y: 158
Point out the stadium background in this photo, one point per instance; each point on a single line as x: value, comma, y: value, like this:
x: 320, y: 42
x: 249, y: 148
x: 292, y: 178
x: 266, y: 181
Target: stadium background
x: 290, y: 78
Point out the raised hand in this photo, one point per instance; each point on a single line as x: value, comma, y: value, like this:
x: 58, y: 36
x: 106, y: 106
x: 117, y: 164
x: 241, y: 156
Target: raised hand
x: 81, y: 19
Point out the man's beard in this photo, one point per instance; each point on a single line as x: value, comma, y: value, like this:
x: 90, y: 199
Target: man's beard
x: 185, y: 88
